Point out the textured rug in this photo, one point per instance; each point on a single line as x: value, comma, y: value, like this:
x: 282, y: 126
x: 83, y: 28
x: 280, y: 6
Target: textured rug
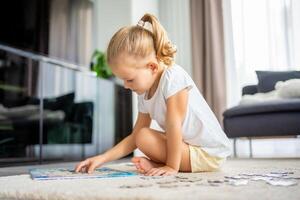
x: 239, y: 179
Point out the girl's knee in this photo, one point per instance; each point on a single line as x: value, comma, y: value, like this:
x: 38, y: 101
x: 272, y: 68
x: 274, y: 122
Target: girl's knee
x: 141, y: 136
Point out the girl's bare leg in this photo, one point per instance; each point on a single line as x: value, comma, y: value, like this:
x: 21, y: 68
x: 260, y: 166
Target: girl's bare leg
x: 154, y: 145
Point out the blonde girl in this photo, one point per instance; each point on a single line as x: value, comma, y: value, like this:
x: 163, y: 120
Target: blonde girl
x: 192, y: 139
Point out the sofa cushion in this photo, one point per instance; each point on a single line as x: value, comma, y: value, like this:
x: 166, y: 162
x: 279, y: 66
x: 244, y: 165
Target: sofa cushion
x: 274, y: 106
x: 249, y: 89
x: 268, y: 79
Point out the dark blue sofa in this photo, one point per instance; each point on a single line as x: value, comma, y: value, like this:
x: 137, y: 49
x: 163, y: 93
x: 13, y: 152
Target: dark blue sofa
x: 269, y: 118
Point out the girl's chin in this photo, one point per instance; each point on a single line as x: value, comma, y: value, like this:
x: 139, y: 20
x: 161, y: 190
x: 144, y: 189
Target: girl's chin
x: 138, y: 92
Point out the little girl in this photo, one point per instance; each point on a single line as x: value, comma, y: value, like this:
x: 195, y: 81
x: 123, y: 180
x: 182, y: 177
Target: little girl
x: 192, y: 140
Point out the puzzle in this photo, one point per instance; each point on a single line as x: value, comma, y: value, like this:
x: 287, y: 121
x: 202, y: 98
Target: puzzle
x: 64, y: 173
x: 272, y: 178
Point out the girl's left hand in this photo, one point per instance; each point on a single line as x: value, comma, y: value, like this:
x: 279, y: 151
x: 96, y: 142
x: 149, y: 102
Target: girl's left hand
x: 161, y: 171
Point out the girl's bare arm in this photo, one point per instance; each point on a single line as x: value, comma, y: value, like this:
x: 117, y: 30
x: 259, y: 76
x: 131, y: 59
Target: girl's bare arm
x: 176, y: 111
x: 123, y: 148
x: 127, y: 145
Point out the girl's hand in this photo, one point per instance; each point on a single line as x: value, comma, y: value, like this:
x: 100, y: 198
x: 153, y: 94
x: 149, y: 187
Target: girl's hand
x: 161, y: 171
x: 90, y: 164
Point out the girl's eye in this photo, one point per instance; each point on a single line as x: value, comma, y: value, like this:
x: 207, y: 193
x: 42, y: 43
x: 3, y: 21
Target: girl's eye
x: 130, y: 80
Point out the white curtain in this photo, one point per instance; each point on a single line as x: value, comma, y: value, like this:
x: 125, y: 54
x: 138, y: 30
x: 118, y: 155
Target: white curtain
x: 259, y: 35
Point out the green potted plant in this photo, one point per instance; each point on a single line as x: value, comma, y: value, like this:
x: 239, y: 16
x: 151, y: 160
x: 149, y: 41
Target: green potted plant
x: 100, y: 66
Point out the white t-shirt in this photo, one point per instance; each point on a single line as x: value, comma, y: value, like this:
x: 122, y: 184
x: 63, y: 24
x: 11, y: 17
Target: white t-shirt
x: 200, y: 126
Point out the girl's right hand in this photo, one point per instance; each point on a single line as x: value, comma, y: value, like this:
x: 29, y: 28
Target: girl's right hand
x: 90, y: 164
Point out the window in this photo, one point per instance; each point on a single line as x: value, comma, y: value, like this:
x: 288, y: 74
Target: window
x: 264, y: 36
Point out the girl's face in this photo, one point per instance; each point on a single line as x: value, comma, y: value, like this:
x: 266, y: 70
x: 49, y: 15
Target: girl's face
x: 138, y: 74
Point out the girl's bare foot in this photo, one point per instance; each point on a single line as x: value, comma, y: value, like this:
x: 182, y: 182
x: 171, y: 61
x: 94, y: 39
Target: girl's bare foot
x: 143, y: 164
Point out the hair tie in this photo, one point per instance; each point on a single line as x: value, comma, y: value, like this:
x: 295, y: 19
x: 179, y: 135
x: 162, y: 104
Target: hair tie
x: 141, y: 23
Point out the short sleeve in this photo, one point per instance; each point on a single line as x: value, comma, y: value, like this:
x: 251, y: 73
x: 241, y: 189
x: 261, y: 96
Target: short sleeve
x: 141, y: 105
x: 175, y: 80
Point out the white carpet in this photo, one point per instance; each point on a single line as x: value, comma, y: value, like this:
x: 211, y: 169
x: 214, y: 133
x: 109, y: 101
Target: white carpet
x: 183, y: 186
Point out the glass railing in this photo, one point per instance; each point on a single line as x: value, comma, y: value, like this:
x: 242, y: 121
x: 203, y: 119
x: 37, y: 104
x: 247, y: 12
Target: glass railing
x: 51, y: 110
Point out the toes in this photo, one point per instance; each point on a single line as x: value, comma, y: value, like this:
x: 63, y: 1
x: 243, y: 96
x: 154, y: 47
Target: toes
x: 138, y: 166
x: 141, y: 171
x: 135, y: 159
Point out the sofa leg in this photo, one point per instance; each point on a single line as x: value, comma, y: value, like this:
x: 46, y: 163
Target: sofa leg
x: 250, y: 147
x: 234, y: 148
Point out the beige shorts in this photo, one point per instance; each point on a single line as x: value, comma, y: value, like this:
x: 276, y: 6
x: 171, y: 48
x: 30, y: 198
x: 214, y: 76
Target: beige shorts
x: 202, y: 162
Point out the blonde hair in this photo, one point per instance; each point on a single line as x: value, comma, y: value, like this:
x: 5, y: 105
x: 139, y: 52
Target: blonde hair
x: 140, y: 41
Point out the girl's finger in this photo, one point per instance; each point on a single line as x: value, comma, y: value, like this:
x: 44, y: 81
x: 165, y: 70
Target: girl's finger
x: 92, y: 167
x: 151, y: 171
x: 83, y: 169
x: 159, y: 172
x: 166, y: 174
x: 80, y: 166
x: 155, y: 172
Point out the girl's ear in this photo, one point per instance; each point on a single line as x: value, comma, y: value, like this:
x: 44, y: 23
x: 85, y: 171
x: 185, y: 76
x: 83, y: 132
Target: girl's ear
x: 153, y: 66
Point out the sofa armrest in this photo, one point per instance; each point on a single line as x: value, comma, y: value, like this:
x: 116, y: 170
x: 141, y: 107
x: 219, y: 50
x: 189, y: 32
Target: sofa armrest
x: 249, y: 89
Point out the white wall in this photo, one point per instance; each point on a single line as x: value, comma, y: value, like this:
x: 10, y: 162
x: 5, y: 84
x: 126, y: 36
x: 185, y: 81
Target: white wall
x: 109, y: 16
x: 140, y: 7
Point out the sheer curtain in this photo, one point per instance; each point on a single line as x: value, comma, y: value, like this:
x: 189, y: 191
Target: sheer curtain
x: 175, y: 17
x: 259, y: 35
